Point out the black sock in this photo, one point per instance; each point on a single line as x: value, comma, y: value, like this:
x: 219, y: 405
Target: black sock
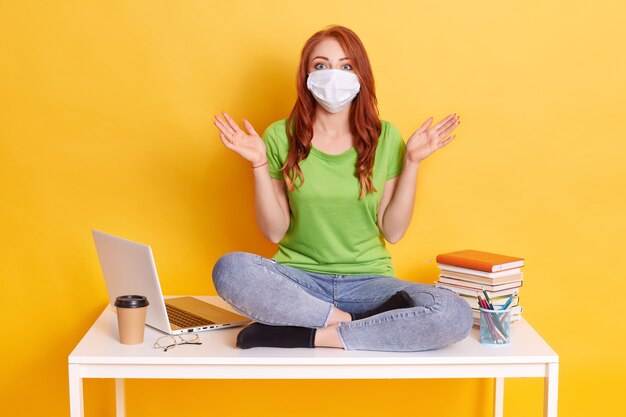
x: 401, y: 299
x: 262, y: 335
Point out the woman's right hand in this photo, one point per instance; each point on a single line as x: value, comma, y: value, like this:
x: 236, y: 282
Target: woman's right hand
x: 250, y: 145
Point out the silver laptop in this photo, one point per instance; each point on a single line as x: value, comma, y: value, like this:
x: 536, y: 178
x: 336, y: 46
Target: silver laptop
x: 128, y: 268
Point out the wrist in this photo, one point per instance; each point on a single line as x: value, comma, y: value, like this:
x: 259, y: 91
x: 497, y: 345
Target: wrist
x: 259, y: 164
x: 410, y: 163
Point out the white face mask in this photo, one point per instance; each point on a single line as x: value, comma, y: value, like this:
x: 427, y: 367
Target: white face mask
x: 333, y: 89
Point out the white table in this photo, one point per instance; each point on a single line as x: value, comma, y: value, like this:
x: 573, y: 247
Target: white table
x: 100, y: 355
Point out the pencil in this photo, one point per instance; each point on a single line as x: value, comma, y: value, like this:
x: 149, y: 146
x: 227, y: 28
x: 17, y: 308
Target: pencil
x: 493, y: 320
x: 490, y: 325
x: 508, y: 301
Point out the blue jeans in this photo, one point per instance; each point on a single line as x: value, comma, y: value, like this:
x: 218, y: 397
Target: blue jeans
x: 276, y: 294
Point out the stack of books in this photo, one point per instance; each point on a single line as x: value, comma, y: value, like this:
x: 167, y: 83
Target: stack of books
x: 470, y: 273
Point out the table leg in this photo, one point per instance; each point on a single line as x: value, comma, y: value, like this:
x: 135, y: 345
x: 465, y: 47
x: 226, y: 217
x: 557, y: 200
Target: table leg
x: 550, y: 390
x: 498, y: 404
x: 120, y: 398
x: 76, y: 391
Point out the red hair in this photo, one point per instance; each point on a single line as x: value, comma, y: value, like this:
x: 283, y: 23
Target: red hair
x: 365, y: 125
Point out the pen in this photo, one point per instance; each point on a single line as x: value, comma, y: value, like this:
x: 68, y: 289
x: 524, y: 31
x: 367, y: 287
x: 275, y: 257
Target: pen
x: 497, y: 325
x: 504, y: 307
x: 492, y: 329
x: 496, y: 330
x: 488, y: 300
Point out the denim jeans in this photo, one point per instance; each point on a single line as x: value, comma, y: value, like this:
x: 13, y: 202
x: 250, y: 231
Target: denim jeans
x: 275, y: 294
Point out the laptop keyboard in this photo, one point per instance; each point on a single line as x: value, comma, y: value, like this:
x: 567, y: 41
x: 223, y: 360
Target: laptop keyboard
x: 182, y: 318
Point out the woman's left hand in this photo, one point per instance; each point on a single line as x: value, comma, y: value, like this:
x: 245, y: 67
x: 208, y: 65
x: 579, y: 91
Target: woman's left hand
x: 427, y: 140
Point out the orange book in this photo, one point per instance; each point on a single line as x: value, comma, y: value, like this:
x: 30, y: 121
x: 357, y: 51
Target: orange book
x: 481, y: 261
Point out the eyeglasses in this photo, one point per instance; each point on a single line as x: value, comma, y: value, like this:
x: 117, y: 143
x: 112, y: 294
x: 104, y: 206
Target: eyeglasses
x: 170, y: 342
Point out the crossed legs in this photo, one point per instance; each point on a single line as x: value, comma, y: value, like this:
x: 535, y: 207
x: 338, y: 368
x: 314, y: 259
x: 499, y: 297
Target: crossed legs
x: 351, y: 312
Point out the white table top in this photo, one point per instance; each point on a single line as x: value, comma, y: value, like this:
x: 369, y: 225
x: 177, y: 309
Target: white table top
x: 101, y: 346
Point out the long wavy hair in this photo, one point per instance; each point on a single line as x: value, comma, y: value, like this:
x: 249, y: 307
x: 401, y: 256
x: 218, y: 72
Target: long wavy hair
x: 365, y: 124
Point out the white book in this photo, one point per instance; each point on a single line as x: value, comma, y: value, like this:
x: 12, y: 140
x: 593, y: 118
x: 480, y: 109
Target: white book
x: 478, y: 285
x: 500, y: 274
x: 473, y: 292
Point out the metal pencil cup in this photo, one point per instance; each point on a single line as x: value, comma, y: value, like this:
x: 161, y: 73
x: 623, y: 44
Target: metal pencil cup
x: 495, y: 326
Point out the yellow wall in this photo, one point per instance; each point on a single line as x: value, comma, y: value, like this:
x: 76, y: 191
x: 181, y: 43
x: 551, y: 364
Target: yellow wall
x: 105, y: 122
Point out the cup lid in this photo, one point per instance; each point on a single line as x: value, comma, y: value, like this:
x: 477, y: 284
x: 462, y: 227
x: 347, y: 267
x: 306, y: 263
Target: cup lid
x: 131, y: 301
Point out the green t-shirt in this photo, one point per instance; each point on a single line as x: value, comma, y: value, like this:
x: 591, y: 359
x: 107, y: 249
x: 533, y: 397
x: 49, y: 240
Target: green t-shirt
x: 331, y: 230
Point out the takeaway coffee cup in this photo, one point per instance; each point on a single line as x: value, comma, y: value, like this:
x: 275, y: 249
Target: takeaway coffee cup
x: 131, y: 318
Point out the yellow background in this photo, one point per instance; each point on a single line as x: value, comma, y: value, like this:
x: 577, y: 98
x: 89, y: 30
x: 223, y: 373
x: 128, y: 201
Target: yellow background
x: 105, y: 122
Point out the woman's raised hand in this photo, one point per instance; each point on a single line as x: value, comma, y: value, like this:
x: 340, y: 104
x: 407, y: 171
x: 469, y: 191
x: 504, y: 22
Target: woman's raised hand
x: 427, y: 140
x: 248, y: 145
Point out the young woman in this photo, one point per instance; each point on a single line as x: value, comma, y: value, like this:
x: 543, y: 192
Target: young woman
x: 332, y: 183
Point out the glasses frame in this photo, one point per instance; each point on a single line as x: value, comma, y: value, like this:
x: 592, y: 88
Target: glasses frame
x: 175, y: 340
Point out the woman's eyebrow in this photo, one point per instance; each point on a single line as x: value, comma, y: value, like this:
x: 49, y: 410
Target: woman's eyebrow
x: 323, y: 57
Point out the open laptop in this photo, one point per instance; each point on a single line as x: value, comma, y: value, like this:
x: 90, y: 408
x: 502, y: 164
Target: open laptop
x: 128, y: 268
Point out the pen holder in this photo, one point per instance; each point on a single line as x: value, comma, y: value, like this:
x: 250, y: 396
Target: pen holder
x: 495, y: 326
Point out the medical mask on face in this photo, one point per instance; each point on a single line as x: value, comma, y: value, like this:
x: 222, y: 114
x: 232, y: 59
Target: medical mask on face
x: 333, y: 89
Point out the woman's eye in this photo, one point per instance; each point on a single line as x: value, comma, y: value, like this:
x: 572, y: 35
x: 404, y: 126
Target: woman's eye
x: 319, y: 66
x: 346, y: 67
